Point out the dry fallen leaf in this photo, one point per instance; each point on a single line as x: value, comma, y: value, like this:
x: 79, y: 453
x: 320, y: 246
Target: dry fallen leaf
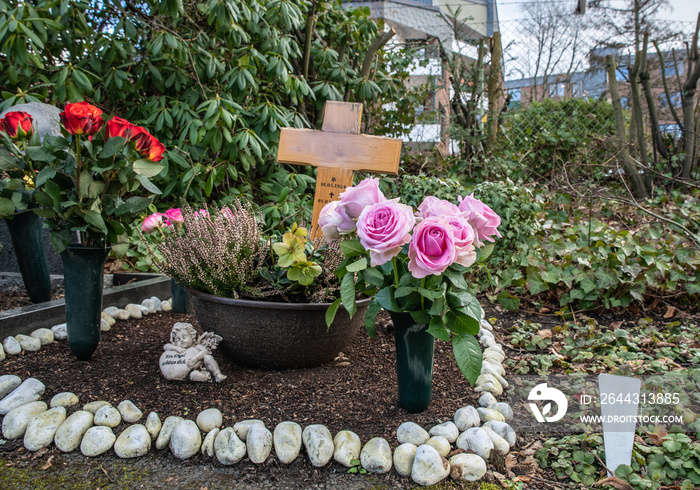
x: 522, y: 478
x: 614, y: 482
x: 48, y: 463
x: 670, y: 312
x: 545, y: 334
x: 657, y: 437
x: 511, y: 461
x: 617, y: 324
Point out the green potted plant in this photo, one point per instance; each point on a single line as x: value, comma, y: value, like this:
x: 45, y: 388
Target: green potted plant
x: 18, y: 139
x: 265, y: 293
x: 412, y: 263
x: 94, y: 182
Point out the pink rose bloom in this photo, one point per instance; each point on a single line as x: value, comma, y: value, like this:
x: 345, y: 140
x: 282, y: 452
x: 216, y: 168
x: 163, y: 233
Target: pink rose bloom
x: 152, y: 222
x: 432, y: 206
x: 354, y: 200
x: 329, y: 220
x: 383, y: 228
x: 482, y: 218
x: 174, y: 215
x: 464, y: 240
x: 433, y: 248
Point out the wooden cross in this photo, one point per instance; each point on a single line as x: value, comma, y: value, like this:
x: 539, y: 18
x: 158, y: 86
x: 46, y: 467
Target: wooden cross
x: 338, y: 150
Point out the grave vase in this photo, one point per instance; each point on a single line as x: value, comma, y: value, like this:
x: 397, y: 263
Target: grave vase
x: 182, y: 301
x: 27, y: 239
x: 414, y: 362
x: 83, y: 269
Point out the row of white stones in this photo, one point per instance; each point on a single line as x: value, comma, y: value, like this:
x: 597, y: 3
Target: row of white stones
x: 420, y: 455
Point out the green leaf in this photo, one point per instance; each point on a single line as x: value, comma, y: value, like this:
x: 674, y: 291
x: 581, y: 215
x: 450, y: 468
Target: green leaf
x: 456, y: 278
x: 7, y: 207
x: 331, y: 312
x: 357, y: 266
x: 537, y: 287
x: 403, y: 291
x: 485, y: 252
x: 420, y: 317
x: 385, y: 297
x: 468, y: 356
x: 85, y: 181
x: 94, y: 218
x: 466, y: 302
x: 147, y: 168
x: 370, y: 316
x: 438, y: 330
x: 373, y: 277
x: 347, y: 294
x: 459, y: 323
x: 137, y: 204
x: 39, y: 154
x: 45, y: 174
x: 352, y: 248
x: 112, y: 146
x: 431, y: 295
x: 147, y: 184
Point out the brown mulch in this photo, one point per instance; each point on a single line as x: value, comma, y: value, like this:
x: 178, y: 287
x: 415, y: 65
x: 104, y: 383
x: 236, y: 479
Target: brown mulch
x: 356, y: 392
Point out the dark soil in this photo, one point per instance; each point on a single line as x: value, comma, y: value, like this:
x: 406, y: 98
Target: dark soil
x: 356, y: 392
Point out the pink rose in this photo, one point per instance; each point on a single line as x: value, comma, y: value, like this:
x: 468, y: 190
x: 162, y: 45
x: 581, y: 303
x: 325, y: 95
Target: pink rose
x: 433, y: 249
x: 354, y: 200
x: 383, y: 228
x: 481, y: 217
x: 329, y: 220
x: 152, y: 222
x: 464, y: 240
x: 432, y: 206
x: 174, y: 215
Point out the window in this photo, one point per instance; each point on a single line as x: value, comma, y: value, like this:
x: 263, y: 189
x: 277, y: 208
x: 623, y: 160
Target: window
x: 515, y: 94
x: 576, y: 90
x: 557, y: 90
x: 622, y: 74
x: 676, y: 99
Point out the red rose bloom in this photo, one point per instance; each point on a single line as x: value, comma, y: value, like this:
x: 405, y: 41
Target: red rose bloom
x: 119, y: 127
x: 147, y: 144
x: 82, y: 118
x: 17, y: 125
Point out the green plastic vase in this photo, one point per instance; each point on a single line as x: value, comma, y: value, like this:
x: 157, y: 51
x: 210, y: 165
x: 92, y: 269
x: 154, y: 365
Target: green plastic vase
x: 28, y: 241
x: 414, y: 362
x: 83, y: 272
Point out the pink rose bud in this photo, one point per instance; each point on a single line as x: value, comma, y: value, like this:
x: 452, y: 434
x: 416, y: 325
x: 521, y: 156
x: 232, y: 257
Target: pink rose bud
x: 432, y: 206
x: 464, y: 240
x: 174, y: 215
x: 433, y: 249
x: 383, y: 228
x: 354, y: 200
x: 152, y: 222
x: 482, y: 218
x: 329, y: 220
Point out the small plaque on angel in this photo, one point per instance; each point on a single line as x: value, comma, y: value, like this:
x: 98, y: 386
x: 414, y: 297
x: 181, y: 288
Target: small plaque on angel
x: 188, y: 356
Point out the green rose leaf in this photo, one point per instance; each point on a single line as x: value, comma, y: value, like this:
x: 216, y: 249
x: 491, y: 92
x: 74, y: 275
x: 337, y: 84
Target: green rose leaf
x: 39, y: 154
x: 373, y: 277
x: 112, y: 146
x: 7, y: 207
x: 468, y: 356
x: 465, y: 302
x: 94, y: 218
x: 331, y: 312
x: 7, y: 161
x: 147, y: 168
x: 456, y: 278
x: 421, y: 317
x: 385, y: 297
x: 347, y: 294
x: 147, y: 184
x: 460, y: 323
x: 438, y: 330
x: 137, y: 204
x: 352, y: 248
x: 357, y: 266
x: 403, y: 291
x: 370, y: 316
x: 45, y: 174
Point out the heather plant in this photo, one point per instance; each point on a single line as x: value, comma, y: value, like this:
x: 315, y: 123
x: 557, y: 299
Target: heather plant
x: 225, y: 251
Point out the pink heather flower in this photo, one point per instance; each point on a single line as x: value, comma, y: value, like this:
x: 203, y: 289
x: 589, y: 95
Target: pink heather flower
x: 432, y: 206
x: 354, y: 200
x: 464, y: 240
x: 174, y: 215
x: 433, y: 248
x: 202, y: 213
x: 482, y: 218
x: 153, y: 222
x: 383, y: 228
x: 329, y: 220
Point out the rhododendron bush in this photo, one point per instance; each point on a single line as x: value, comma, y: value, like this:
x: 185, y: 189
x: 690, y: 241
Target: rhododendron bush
x: 412, y: 261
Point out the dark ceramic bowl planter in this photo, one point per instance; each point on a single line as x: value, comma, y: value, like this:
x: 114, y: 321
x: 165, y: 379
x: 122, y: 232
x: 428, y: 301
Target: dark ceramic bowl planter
x: 271, y: 335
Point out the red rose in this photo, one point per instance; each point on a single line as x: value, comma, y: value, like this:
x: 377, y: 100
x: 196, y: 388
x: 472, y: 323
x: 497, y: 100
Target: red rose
x: 17, y: 125
x: 119, y: 127
x: 82, y: 118
x: 147, y: 144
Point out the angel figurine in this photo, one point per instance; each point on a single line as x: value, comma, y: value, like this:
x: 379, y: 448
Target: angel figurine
x: 185, y: 356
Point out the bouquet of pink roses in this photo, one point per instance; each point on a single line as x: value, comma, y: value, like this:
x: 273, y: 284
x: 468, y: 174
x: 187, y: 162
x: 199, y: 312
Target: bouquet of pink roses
x: 412, y: 261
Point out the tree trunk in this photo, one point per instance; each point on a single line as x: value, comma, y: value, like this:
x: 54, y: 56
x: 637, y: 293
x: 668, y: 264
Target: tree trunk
x: 495, y: 89
x: 651, y: 105
x: 635, y: 180
x: 689, y: 87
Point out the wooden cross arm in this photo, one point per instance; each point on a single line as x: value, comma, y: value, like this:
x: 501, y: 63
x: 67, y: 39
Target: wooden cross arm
x: 354, y: 152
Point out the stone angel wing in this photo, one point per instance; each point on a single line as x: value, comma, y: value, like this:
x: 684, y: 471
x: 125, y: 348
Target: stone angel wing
x: 209, y: 340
